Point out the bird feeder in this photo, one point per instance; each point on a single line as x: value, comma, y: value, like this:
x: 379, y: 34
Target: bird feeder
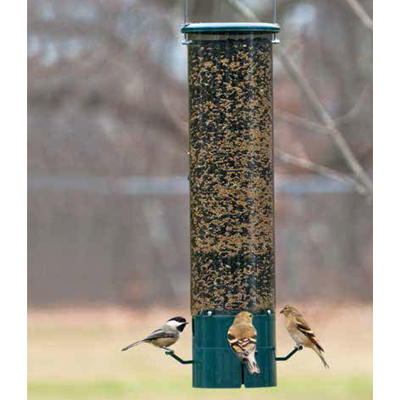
x: 231, y: 196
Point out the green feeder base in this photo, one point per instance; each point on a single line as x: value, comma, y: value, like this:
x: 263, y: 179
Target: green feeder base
x: 215, y: 365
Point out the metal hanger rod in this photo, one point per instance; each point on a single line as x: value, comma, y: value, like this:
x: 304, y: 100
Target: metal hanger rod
x: 274, y: 10
x: 186, y: 12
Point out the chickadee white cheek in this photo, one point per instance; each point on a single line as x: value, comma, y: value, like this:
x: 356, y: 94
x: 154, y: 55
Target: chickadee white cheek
x: 175, y: 324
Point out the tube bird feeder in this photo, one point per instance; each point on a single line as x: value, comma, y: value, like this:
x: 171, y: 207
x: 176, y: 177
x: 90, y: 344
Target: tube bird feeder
x: 231, y: 196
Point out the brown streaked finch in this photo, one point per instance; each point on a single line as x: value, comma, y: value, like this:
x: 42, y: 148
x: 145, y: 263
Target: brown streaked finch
x: 242, y: 337
x: 301, y: 332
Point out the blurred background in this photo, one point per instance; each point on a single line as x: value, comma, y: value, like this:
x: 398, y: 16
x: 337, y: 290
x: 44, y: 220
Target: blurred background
x: 108, y: 207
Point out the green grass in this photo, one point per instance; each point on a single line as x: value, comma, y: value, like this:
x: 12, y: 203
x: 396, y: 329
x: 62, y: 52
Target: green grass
x: 82, y: 360
x: 350, y: 388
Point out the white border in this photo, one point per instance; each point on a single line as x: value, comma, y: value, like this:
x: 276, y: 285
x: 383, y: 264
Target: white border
x: 386, y: 199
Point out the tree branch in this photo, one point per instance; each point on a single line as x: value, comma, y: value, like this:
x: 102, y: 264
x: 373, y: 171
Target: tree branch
x: 359, y: 10
x: 320, y: 169
x: 316, y: 105
x: 318, y: 128
x: 301, y: 122
x: 343, y: 119
x: 326, y: 119
x: 243, y: 9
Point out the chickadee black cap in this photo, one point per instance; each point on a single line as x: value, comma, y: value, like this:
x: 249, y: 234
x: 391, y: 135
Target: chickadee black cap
x: 179, y: 319
x: 179, y: 322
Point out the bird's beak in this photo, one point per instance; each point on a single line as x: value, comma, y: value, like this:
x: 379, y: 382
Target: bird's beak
x: 186, y: 323
x: 281, y: 312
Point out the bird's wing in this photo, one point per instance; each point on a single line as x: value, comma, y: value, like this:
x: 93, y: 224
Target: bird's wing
x: 160, y: 334
x: 303, y: 327
x: 246, y: 343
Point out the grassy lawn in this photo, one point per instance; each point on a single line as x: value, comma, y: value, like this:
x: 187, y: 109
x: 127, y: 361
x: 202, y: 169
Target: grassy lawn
x: 357, y: 388
x: 76, y: 356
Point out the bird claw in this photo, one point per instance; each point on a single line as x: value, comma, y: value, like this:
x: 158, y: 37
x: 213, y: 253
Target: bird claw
x: 168, y: 351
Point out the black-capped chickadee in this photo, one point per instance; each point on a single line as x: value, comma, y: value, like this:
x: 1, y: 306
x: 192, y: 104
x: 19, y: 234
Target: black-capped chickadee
x: 165, y: 336
x: 242, y: 336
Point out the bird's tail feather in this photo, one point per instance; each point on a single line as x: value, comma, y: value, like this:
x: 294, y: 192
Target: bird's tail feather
x: 132, y: 345
x: 252, y: 365
x: 319, y: 352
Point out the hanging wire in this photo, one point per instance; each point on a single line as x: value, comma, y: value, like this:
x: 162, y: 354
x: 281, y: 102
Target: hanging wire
x: 275, y: 40
x: 186, y: 13
x: 185, y: 21
x: 274, y: 11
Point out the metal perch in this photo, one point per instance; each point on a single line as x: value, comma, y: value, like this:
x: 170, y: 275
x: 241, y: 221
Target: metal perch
x: 293, y: 352
x: 177, y: 358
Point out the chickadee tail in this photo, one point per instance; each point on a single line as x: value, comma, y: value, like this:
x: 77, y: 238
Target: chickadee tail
x: 252, y: 365
x: 132, y: 345
x: 319, y: 352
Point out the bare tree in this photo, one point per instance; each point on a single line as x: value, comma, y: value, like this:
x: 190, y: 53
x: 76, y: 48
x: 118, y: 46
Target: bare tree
x: 107, y: 101
x: 317, y: 106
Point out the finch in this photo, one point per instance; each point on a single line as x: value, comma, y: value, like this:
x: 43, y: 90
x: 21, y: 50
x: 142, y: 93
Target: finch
x: 301, y: 332
x: 166, y: 336
x: 242, y: 337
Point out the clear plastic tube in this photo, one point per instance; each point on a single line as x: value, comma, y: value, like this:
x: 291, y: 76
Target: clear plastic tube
x: 231, y: 172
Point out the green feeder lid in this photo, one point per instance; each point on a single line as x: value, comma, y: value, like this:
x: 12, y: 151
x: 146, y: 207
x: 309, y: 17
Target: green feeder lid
x: 213, y: 27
